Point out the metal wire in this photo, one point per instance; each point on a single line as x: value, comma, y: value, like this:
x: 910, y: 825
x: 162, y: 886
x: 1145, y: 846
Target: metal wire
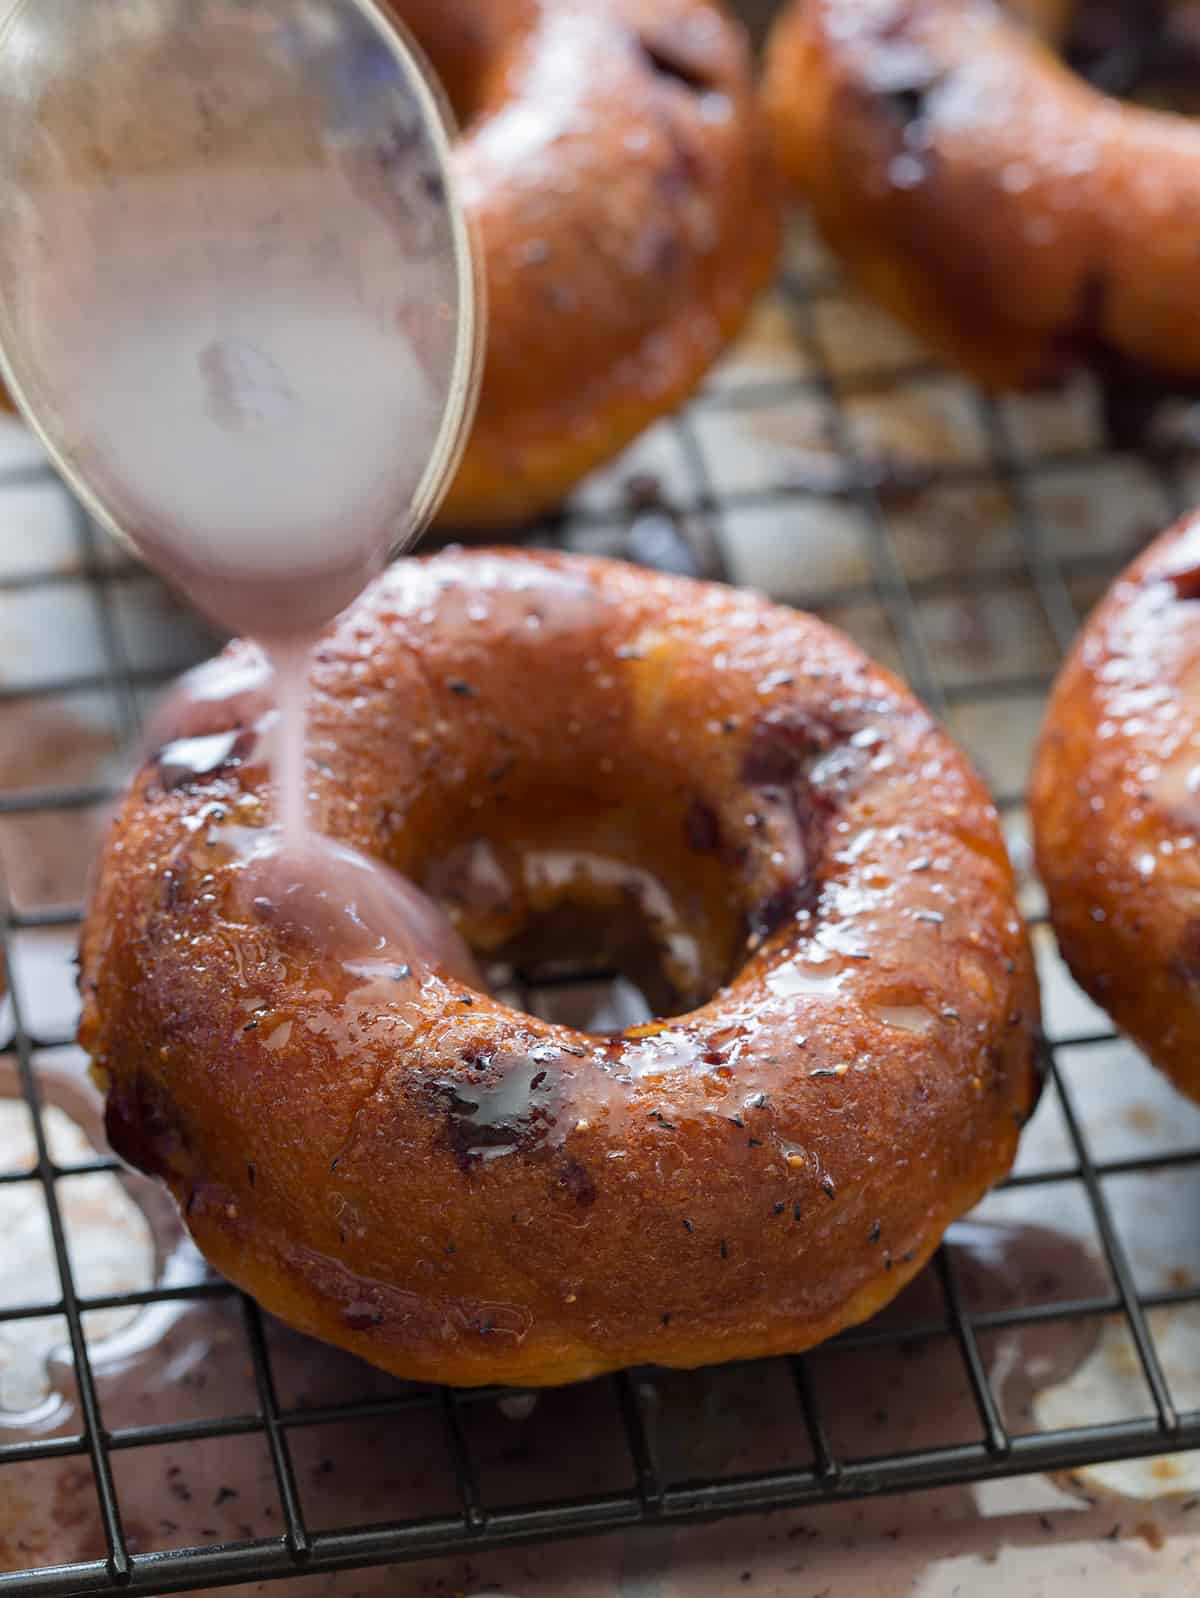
x: 700, y: 517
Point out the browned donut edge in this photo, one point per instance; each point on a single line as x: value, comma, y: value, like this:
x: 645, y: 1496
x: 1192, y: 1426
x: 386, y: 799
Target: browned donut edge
x: 1114, y: 804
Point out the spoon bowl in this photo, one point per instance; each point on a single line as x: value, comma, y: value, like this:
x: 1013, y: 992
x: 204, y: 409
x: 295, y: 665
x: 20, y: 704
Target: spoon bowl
x: 237, y: 295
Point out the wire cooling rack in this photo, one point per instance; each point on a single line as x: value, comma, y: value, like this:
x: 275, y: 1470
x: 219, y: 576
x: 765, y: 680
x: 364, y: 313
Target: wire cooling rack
x: 959, y: 538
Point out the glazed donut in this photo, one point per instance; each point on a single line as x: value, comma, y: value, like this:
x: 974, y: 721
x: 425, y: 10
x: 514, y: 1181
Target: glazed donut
x: 1015, y: 217
x: 460, y: 1192
x: 1114, y: 803
x: 613, y: 162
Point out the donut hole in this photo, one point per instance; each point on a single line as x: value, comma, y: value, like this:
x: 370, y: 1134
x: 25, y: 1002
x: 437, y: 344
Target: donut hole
x: 1144, y: 51
x: 600, y: 898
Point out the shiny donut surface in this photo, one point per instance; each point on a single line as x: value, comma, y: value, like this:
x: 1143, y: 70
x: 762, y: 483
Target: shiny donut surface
x: 1116, y: 804
x: 613, y: 163
x: 410, y: 1168
x: 1015, y: 217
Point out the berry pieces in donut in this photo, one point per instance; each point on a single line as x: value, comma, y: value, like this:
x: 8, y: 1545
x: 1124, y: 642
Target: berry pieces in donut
x: 458, y: 1191
x: 1013, y: 214
x: 1116, y: 804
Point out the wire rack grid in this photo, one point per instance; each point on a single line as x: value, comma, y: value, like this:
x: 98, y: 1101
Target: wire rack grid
x: 786, y: 437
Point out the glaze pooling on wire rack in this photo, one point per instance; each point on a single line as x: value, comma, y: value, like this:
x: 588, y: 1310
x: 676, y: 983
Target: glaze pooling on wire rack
x: 783, y: 450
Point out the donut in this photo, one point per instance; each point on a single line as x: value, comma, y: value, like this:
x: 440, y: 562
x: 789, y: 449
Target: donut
x: 1114, y: 804
x: 573, y: 755
x: 613, y: 161
x: 1015, y: 217
x: 613, y: 164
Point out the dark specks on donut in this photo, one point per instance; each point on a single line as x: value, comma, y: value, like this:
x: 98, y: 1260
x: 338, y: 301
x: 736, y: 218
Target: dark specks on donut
x: 784, y: 747
x: 702, y: 829
x: 190, y: 761
x: 783, y: 744
x: 510, y: 1108
x: 780, y: 907
x: 578, y: 1183
x: 908, y: 102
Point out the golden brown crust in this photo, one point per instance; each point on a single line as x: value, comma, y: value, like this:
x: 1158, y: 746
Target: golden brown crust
x: 1015, y: 217
x: 746, y: 1178
x: 614, y: 165
x: 1114, y: 803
